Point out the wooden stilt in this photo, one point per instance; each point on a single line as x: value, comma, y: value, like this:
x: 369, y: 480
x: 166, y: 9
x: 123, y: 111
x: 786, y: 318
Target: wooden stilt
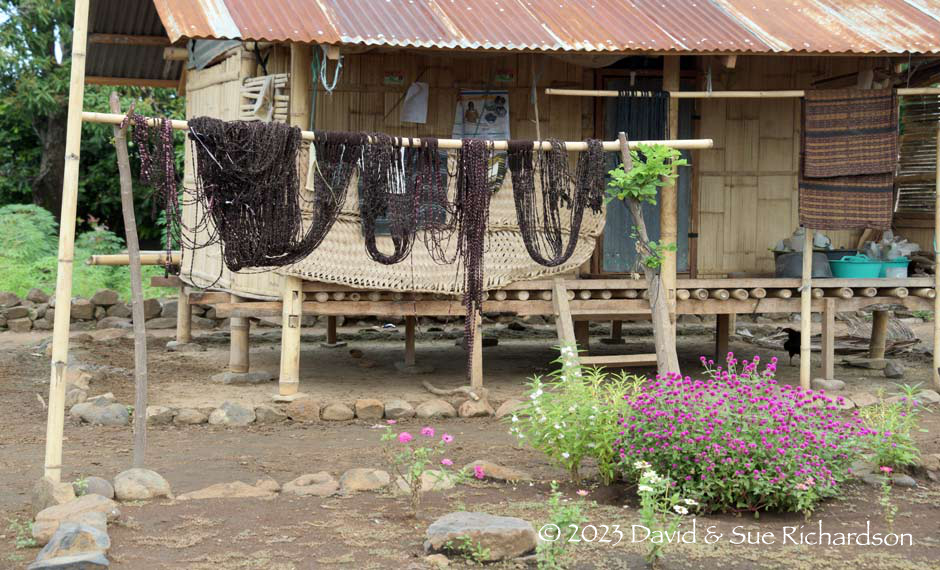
x: 55, y: 419
x: 184, y: 317
x: 289, y: 380
x: 583, y: 336
x: 828, y: 338
x: 410, y: 326
x: 722, y: 336
x: 936, y: 275
x: 806, y: 306
x: 137, y: 289
x: 331, y: 330
x: 616, y: 331
x: 476, y: 360
x: 239, y: 333
x: 879, y: 335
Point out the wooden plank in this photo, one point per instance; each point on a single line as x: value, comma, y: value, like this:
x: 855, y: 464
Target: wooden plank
x: 170, y: 281
x: 208, y: 297
x: 828, y: 338
x: 620, y: 360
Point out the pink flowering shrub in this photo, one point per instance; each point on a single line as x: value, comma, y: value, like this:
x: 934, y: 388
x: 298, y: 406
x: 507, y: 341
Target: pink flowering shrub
x: 410, y: 459
x: 740, y: 441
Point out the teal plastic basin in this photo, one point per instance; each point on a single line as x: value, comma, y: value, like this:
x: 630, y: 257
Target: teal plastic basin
x: 856, y: 267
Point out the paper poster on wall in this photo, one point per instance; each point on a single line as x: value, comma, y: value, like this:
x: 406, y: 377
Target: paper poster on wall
x: 484, y: 115
x: 414, y: 109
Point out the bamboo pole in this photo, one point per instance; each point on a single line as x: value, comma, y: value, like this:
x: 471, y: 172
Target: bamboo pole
x: 584, y: 294
x: 626, y: 294
x: 781, y: 293
x: 499, y: 295
x: 936, y: 274
x: 879, y: 335
x: 840, y: 292
x: 289, y: 379
x: 720, y: 294
x: 239, y: 332
x: 149, y: 258
x: 683, y: 294
x: 758, y: 292
x: 700, y: 294
x: 898, y: 292
x: 445, y: 144
x: 740, y: 294
x: 55, y: 419
x: 924, y: 293
x: 522, y: 295
x: 806, y: 306
x: 868, y: 292
x: 137, y: 289
x: 786, y: 94
x: 668, y: 195
x: 184, y: 317
x: 321, y: 296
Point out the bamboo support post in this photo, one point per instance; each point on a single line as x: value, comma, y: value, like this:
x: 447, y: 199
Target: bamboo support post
x: 239, y: 332
x: 806, y: 307
x: 758, y: 292
x: 924, y: 292
x: 867, y: 292
x: 781, y: 293
x: 700, y: 294
x: 184, y: 317
x: 443, y: 144
x: 897, y: 292
x: 683, y: 294
x: 840, y: 292
x: 879, y: 335
x: 740, y: 294
x: 55, y: 418
x: 411, y: 324
x: 828, y: 338
x: 137, y: 290
x: 291, y: 312
x: 719, y: 294
x: 476, y: 358
x: 936, y: 274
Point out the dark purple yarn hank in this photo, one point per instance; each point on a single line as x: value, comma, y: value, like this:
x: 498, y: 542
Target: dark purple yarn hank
x: 544, y: 240
x: 386, y: 191
x: 473, y: 209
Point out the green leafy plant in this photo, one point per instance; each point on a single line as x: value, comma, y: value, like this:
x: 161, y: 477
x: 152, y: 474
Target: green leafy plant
x: 924, y: 315
x: 409, y: 458
x: 653, y: 168
x: 563, y: 515
x: 572, y: 415
x: 888, y: 509
x: 22, y: 533
x: 661, y: 510
x: 892, y: 423
x: 81, y: 486
x: 464, y: 547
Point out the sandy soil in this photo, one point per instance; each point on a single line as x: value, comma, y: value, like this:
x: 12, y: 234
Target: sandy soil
x: 373, y: 530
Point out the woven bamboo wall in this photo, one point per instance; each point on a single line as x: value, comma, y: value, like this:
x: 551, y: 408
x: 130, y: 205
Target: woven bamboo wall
x: 747, y: 184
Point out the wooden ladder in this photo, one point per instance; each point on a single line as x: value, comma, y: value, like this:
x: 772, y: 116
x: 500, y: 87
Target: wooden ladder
x: 564, y: 322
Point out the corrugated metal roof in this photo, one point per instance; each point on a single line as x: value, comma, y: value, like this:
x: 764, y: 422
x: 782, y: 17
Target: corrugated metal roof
x: 692, y: 26
x: 123, y: 61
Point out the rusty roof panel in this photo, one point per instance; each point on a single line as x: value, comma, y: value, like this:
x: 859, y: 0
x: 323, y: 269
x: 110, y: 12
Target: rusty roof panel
x: 687, y: 26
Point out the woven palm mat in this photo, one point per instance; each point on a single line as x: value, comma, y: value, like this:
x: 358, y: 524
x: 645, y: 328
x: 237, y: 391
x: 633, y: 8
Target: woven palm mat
x: 848, y: 159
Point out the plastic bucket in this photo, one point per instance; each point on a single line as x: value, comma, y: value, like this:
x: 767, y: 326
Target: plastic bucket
x: 856, y: 267
x: 896, y: 268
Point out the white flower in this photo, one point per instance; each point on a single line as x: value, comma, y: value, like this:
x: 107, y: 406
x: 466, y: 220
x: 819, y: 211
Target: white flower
x: 561, y: 436
x: 515, y: 419
x: 645, y: 489
x: 590, y: 417
x: 691, y: 502
x: 566, y: 455
x: 557, y: 426
x: 681, y: 510
x: 641, y: 465
x: 536, y: 394
x: 573, y: 409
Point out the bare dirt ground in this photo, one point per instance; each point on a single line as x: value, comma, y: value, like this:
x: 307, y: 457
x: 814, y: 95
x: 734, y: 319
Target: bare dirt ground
x: 373, y: 530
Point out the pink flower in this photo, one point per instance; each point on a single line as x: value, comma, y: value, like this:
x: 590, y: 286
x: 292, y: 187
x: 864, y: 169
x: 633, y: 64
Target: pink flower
x: 447, y: 438
x: 478, y: 472
x: 391, y: 422
x: 446, y: 462
x: 886, y: 469
x: 427, y: 431
x: 583, y: 492
x: 405, y: 437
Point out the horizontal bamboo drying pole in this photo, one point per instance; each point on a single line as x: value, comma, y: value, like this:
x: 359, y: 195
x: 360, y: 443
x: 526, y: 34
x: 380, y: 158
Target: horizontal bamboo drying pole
x: 792, y: 94
x: 609, y: 146
x: 146, y: 258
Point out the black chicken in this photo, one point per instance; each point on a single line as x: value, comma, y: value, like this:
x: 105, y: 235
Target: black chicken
x: 792, y: 345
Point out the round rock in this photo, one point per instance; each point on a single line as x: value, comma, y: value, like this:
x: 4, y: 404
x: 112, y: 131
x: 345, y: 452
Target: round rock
x: 436, y: 408
x: 232, y: 414
x: 337, y: 412
x: 499, y: 538
x: 140, y: 484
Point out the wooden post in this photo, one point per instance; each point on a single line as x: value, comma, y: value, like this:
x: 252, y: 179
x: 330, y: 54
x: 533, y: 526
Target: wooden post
x: 829, y: 338
x: 668, y: 198
x: 806, y: 306
x: 410, y: 325
x: 289, y: 381
x: 137, y: 290
x: 936, y: 274
x: 722, y: 336
x: 184, y: 317
x: 879, y: 335
x: 583, y: 336
x: 55, y: 420
x: 476, y: 359
x: 239, y: 333
x: 616, y: 332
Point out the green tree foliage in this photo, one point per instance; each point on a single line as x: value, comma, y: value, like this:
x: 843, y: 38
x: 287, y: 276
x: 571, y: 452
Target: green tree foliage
x: 35, y: 45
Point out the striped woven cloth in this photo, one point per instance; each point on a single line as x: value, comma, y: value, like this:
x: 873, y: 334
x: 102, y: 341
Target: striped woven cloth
x: 848, y: 159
